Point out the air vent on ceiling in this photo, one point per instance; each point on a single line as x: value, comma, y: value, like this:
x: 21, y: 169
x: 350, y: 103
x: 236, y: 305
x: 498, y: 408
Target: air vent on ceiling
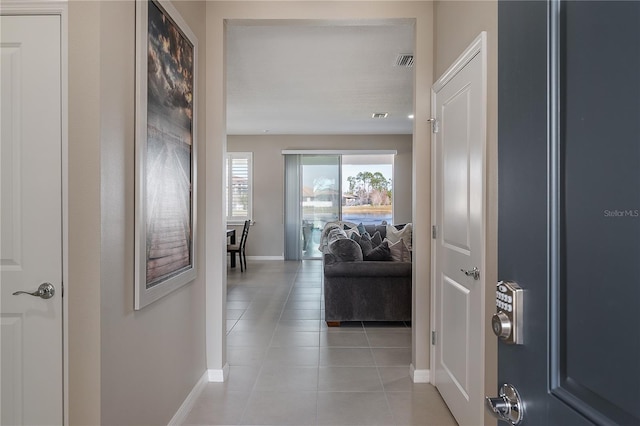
x: 380, y: 115
x: 404, y: 60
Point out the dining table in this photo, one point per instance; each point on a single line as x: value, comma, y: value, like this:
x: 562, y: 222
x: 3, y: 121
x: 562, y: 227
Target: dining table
x: 231, y: 234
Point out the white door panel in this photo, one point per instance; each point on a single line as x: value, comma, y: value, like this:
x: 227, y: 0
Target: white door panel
x: 459, y: 107
x: 455, y: 329
x: 455, y: 170
x: 30, y: 220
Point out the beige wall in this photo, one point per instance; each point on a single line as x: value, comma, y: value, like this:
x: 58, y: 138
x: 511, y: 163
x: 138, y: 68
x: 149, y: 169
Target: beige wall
x: 125, y: 366
x: 267, y: 235
x: 131, y: 367
x: 457, y: 24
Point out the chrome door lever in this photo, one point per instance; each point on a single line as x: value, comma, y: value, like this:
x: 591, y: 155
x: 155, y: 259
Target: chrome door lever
x: 44, y: 291
x: 475, y: 273
x: 508, y: 406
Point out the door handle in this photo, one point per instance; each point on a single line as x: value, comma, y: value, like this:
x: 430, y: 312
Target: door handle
x: 475, y: 273
x: 44, y: 291
x: 507, y: 406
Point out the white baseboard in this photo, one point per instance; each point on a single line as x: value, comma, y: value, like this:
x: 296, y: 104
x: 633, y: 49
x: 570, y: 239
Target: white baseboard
x: 184, y: 410
x: 419, y: 376
x: 265, y: 257
x: 218, y: 376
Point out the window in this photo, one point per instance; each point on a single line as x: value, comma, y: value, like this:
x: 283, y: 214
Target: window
x: 367, y: 188
x: 239, y: 188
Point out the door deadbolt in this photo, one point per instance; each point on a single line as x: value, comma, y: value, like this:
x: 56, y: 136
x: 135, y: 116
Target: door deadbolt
x: 501, y: 325
x: 508, y: 406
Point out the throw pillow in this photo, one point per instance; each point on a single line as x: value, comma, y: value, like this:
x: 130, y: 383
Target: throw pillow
x: 324, y: 239
x: 394, y: 235
x: 362, y: 229
x: 399, y: 251
x: 381, y: 252
x: 365, y: 244
x: 376, y: 240
x: 345, y: 250
x: 335, y: 234
x: 351, y: 232
x: 348, y: 225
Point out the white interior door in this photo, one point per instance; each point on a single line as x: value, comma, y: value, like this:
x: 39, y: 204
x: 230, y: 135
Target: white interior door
x: 31, y: 221
x: 459, y: 141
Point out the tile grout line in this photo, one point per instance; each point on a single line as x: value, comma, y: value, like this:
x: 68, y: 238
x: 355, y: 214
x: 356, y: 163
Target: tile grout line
x: 253, y: 391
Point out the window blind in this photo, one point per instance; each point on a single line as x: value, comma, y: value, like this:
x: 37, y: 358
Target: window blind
x: 239, y: 186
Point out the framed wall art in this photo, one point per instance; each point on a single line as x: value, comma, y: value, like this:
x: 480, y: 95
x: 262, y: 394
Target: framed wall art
x: 165, y: 146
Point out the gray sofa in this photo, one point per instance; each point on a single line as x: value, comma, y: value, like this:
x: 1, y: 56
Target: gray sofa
x: 356, y: 289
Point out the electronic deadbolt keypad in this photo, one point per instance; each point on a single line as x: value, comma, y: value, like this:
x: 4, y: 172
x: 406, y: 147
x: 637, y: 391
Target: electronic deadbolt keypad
x: 507, y: 321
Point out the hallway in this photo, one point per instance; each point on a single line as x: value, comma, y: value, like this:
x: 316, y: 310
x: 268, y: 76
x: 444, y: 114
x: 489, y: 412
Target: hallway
x: 288, y: 368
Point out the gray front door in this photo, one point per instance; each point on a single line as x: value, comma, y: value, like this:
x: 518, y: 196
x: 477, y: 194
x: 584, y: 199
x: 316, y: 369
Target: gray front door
x: 569, y: 207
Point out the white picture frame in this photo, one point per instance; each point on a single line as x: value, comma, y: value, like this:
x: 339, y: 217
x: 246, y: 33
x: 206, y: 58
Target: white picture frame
x: 165, y: 152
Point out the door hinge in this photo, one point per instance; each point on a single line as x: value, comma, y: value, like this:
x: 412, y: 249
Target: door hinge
x: 435, y: 125
x: 434, y: 232
x: 433, y: 337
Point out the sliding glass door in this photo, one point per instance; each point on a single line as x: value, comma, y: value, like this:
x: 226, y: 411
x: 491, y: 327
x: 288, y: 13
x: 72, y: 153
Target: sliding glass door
x: 327, y: 187
x: 320, y: 199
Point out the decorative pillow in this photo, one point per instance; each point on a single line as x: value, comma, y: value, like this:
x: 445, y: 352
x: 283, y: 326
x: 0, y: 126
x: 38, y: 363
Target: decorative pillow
x: 362, y: 229
x: 345, y: 250
x: 351, y: 232
x: 348, y: 225
x: 381, y: 252
x: 394, y: 235
x: 324, y: 238
x: 356, y: 237
x: 365, y: 244
x: 376, y: 240
x: 334, y: 234
x: 399, y: 251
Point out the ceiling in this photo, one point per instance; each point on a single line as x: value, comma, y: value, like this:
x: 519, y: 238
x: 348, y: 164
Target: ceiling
x: 318, y: 77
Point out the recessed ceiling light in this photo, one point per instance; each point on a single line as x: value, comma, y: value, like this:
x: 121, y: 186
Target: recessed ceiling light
x: 380, y: 115
x: 411, y: 116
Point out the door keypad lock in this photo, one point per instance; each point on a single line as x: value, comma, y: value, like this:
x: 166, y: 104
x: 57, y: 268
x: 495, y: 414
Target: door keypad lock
x: 507, y: 321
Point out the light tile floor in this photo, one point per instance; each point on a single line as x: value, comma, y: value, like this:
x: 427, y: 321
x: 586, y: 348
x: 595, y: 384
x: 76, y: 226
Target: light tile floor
x: 288, y: 368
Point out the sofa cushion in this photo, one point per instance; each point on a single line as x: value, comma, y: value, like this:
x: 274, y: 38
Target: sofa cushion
x: 381, y: 252
x: 394, y: 235
x: 399, y: 251
x: 345, y: 250
x: 372, y: 229
x: 358, y: 270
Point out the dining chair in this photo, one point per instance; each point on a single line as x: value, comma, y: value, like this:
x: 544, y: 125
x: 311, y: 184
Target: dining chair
x: 239, y: 248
